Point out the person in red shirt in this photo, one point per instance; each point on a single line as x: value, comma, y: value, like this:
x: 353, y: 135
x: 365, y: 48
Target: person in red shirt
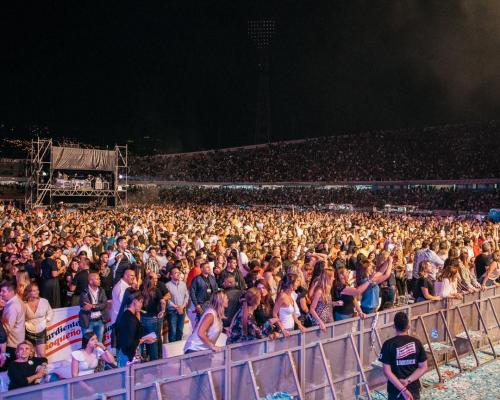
x: 194, y: 272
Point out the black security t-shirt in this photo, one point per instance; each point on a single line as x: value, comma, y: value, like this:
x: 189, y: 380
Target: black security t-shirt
x: 403, y: 354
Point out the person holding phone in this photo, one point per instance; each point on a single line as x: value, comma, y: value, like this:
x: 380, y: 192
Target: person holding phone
x: 370, y: 295
x: 85, y: 360
x: 129, y: 329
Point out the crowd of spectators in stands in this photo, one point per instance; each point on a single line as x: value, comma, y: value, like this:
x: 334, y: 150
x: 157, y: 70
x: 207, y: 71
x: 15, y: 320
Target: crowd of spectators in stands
x: 445, y: 152
x: 422, y: 197
x: 251, y: 272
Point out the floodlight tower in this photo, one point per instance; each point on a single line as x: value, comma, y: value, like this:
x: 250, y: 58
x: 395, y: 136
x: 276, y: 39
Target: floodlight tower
x: 261, y: 33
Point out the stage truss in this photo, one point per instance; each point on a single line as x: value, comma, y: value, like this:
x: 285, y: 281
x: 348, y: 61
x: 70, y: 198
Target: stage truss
x: 41, y: 190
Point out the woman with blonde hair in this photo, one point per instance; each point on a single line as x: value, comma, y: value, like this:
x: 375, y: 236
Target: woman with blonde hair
x: 322, y: 306
x: 468, y: 279
x: 22, y: 281
x: 38, y: 315
x: 208, y: 329
x: 271, y: 275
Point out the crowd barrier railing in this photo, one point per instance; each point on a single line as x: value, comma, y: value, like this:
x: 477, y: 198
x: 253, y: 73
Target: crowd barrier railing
x: 338, y: 363
x: 112, y: 384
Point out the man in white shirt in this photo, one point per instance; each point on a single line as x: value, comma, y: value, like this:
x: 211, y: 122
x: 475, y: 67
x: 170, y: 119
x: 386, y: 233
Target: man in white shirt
x: 117, y: 256
x: 243, y: 260
x: 468, y: 247
x: 162, y: 257
x: 426, y: 254
x: 93, y: 307
x: 87, y: 242
x: 119, y: 289
x: 177, y: 305
x: 198, y: 242
x: 12, y: 318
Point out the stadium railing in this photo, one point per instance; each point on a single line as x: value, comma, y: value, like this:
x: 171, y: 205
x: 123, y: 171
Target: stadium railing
x: 339, y: 363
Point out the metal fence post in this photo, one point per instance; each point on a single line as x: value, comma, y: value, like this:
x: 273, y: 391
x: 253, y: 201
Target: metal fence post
x: 360, y: 351
x: 303, y: 364
x: 129, y: 382
x: 227, y: 373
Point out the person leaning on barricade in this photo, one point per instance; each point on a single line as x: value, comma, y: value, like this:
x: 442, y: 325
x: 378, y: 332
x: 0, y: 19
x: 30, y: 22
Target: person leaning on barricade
x: 321, y: 309
x: 424, y: 286
x: 347, y: 295
x: 208, y: 329
x: 370, y: 295
x: 448, y: 281
x: 492, y: 274
x: 286, y: 309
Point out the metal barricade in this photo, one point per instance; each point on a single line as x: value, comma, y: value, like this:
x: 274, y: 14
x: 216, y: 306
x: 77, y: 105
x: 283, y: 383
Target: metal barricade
x: 105, y: 385
x: 339, y: 363
x: 250, y: 364
x: 332, y: 361
x: 199, y: 375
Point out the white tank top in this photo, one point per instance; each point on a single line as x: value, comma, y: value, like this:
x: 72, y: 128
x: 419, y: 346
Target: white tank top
x: 194, y: 342
x: 285, y: 314
x: 286, y: 317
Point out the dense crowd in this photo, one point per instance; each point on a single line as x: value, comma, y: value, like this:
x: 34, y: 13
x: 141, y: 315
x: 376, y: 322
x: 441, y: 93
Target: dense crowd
x: 421, y: 197
x: 252, y: 273
x: 445, y: 152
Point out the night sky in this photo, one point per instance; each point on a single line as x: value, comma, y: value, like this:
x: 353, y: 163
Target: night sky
x: 182, y: 75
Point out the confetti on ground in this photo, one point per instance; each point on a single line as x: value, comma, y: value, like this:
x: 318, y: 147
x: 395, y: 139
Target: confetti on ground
x: 438, y: 347
x: 474, y: 335
x: 478, y: 384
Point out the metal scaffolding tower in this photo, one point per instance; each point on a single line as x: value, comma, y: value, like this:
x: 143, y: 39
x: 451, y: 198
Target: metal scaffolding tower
x: 42, y: 191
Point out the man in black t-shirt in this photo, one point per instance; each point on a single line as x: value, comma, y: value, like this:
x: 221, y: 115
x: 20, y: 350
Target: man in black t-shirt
x: 404, y: 361
x: 80, y: 281
x: 483, y: 261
